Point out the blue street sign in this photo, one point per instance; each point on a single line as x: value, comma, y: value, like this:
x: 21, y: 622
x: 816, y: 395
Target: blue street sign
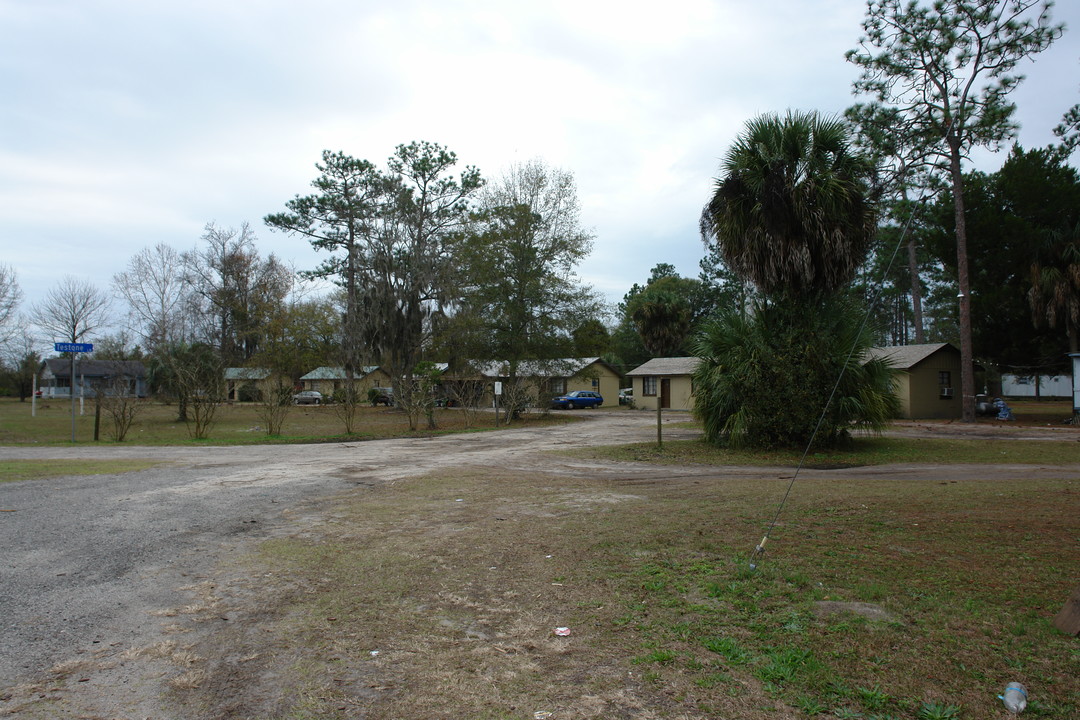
x: 73, y: 347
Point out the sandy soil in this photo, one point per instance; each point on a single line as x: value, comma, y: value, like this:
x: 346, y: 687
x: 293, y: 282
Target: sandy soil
x: 176, y: 613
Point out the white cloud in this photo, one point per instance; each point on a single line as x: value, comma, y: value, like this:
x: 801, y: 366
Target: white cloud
x: 128, y: 123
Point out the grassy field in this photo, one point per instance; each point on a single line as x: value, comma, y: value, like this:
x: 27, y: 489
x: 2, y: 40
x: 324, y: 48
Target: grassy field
x: 863, y: 451
x: 235, y: 424
x: 879, y: 598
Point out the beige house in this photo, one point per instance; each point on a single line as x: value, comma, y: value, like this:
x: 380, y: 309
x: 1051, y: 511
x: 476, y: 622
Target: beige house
x: 558, y: 377
x: 668, y: 381
x: 927, y: 379
x: 245, y: 384
x: 328, y: 379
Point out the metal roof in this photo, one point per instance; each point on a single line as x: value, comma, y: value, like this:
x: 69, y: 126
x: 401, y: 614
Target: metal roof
x: 246, y: 373
x: 337, y: 373
x: 559, y: 367
x: 61, y: 367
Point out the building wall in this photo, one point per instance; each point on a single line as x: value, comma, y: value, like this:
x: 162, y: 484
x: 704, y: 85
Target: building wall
x: 923, y: 392
x: 1024, y: 386
x: 376, y: 378
x: 597, y: 378
x: 682, y: 397
x: 54, y: 387
x: 903, y: 391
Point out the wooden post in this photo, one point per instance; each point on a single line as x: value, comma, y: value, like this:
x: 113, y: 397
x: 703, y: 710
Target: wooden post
x: 1068, y: 620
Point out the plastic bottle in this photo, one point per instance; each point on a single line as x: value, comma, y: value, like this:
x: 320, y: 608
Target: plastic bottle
x: 1015, y: 698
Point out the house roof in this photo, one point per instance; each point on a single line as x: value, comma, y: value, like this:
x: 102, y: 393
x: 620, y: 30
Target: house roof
x: 337, y: 373
x: 61, y: 367
x: 667, y: 366
x: 905, y: 357
x: 246, y: 373
x: 560, y: 367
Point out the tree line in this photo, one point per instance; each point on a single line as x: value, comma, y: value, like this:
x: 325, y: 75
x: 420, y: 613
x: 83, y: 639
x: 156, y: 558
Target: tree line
x: 434, y: 262
x: 424, y: 263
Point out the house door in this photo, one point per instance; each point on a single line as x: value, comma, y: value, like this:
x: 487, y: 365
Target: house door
x: 665, y: 393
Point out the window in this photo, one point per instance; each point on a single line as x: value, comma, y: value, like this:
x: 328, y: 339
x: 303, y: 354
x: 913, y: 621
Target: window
x: 648, y: 386
x: 945, y: 390
x: 558, y: 386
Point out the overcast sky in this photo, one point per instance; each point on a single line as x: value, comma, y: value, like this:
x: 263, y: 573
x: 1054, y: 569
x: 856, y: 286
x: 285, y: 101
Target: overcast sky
x: 126, y: 123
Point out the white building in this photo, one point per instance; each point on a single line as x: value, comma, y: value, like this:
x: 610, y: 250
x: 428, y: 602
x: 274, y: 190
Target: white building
x: 1024, y: 386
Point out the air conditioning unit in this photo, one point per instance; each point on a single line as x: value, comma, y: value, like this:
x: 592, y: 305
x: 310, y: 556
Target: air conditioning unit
x: 946, y: 392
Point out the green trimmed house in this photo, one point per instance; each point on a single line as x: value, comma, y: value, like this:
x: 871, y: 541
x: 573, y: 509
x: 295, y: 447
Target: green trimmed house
x: 328, y: 379
x: 558, y: 376
x: 245, y: 384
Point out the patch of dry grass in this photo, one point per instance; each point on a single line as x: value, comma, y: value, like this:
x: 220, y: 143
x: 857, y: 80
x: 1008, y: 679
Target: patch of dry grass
x: 236, y: 423
x: 862, y: 451
x: 16, y: 470
x: 439, y: 597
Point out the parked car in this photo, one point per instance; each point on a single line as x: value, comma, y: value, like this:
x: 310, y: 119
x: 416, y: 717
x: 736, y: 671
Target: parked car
x: 381, y: 396
x: 626, y: 396
x: 576, y: 399
x: 307, y: 397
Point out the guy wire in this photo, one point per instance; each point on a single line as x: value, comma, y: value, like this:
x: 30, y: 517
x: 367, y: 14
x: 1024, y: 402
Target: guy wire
x: 760, y: 549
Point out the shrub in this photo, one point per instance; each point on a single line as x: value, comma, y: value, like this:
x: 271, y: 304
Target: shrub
x: 766, y: 378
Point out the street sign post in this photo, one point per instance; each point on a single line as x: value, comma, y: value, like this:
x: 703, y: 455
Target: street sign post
x: 74, y: 349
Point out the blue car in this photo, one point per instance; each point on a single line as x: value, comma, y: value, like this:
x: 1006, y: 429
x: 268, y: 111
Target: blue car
x: 577, y: 399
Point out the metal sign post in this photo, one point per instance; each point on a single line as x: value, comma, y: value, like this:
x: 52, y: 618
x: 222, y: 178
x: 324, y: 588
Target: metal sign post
x: 74, y: 349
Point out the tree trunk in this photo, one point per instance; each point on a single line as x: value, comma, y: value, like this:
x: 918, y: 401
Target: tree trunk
x: 967, y: 367
x: 916, y: 290
x: 916, y: 285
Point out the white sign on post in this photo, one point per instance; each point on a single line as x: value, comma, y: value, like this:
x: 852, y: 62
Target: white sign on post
x: 498, y: 388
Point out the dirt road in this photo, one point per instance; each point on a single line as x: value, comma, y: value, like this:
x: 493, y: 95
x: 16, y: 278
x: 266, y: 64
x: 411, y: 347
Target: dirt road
x: 88, y: 559
x: 96, y: 569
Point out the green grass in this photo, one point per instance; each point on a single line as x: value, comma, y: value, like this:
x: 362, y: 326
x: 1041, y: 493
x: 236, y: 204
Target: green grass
x: 15, y: 470
x: 863, y: 451
x: 652, y: 577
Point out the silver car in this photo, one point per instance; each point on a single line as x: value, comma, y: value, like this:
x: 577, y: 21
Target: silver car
x: 307, y: 397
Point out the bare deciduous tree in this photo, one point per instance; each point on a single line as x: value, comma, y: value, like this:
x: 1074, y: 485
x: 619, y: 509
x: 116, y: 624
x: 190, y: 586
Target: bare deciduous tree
x: 275, y: 403
x: 72, y: 311
x: 117, y: 398
x: 156, y: 294
x: 10, y: 297
x: 236, y: 290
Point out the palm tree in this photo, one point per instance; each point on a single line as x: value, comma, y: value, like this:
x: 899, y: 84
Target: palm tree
x: 663, y: 321
x: 783, y: 377
x: 1055, y: 284
x: 791, y: 211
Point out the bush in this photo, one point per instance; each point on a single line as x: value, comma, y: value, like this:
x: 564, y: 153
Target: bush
x: 766, y: 378
x: 248, y: 392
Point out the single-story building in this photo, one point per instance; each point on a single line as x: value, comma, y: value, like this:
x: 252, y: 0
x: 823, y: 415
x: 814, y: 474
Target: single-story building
x: 1050, y: 386
x: 328, y: 379
x: 928, y: 378
x: 243, y: 384
x: 556, y: 377
x: 667, y: 381
x: 125, y: 378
